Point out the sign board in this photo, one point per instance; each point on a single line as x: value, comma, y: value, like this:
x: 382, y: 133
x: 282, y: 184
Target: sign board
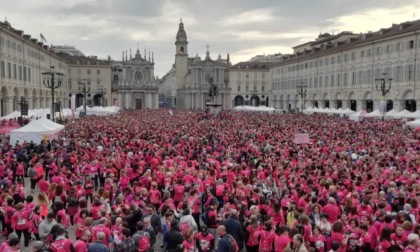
x: 301, y: 138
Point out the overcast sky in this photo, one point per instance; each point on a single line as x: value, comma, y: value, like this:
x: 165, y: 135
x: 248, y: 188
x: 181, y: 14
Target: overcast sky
x: 242, y: 28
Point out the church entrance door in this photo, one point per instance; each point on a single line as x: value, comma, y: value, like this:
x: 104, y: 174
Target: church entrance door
x: 139, y: 103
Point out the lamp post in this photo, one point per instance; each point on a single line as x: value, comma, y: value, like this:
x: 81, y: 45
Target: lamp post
x: 381, y: 85
x: 102, y: 93
x: 52, y: 80
x: 301, y: 91
x: 84, y: 90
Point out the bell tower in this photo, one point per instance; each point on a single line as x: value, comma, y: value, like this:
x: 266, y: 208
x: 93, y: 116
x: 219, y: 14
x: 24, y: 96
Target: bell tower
x: 181, y: 63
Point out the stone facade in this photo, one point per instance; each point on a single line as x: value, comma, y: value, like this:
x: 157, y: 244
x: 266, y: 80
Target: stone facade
x: 249, y: 83
x: 134, y: 83
x: 23, y: 59
x: 341, y: 70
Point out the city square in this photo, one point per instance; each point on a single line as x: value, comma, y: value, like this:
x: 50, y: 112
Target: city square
x: 309, y: 144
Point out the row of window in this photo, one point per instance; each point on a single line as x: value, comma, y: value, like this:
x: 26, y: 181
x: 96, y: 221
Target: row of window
x: 15, y: 72
x: 88, y: 71
x: 247, y: 75
x: 254, y: 89
x: 88, y: 84
x: 398, y: 73
x: 351, y: 56
x: 17, y: 47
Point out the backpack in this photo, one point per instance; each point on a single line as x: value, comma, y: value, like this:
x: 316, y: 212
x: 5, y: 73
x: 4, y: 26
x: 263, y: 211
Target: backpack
x: 32, y: 173
x: 73, y: 201
x: 144, y: 242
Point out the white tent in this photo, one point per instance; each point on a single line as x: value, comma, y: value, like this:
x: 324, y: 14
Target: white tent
x: 36, y: 131
x: 415, y: 123
x: 255, y: 109
x: 375, y: 113
x: 416, y: 114
x: 347, y: 111
x: 358, y: 116
x: 391, y: 113
x: 403, y: 114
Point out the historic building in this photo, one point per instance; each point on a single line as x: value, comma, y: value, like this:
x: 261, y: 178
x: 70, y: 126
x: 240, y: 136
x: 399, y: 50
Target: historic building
x: 186, y: 84
x: 23, y: 59
x: 342, y: 70
x: 249, y: 83
x: 134, y: 85
x: 91, y: 72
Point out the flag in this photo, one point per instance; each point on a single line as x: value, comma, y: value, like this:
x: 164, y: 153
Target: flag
x: 43, y: 38
x: 170, y: 112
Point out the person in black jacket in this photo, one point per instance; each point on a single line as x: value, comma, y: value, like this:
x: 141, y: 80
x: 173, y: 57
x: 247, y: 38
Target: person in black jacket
x: 173, y: 237
x: 234, y: 228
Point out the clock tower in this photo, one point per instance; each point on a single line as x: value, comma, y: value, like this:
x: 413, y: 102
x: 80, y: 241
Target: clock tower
x: 181, y: 63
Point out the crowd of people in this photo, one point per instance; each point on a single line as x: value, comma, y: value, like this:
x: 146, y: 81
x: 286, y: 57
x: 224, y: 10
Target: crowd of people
x: 151, y: 181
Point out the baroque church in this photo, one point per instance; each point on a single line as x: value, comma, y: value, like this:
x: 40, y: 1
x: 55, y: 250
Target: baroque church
x: 186, y: 85
x: 134, y: 81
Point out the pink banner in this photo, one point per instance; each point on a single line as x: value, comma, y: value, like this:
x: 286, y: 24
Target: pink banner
x: 6, y: 129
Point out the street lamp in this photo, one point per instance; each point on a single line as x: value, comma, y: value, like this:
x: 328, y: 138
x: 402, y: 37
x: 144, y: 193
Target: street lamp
x: 52, y: 80
x: 301, y: 91
x: 384, y: 89
x: 84, y: 90
x: 102, y: 93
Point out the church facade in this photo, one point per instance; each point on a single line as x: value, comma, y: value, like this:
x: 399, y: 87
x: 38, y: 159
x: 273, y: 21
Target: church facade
x: 186, y: 85
x: 134, y: 85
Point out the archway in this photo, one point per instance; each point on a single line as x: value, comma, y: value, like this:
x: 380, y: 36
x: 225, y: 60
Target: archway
x: 255, y: 101
x: 353, y: 105
x: 389, y: 105
x: 97, y: 100
x: 266, y: 101
x: 411, y: 105
x: 369, y: 106
x: 327, y: 103
x: 79, y: 100
x: 316, y: 103
x: 339, y: 104
x: 239, y: 100
x: 3, y: 102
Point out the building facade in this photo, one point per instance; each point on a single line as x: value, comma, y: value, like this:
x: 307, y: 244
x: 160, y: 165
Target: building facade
x: 92, y: 72
x: 342, y: 71
x: 249, y: 83
x: 134, y: 82
x: 186, y: 84
x: 23, y: 59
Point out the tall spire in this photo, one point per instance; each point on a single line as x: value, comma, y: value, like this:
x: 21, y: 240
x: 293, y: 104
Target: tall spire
x: 153, y: 58
x: 181, y: 34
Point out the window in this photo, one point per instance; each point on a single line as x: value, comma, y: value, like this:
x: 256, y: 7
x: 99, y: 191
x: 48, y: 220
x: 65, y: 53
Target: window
x: 326, y: 61
x: 398, y: 73
x: 9, y: 70
x: 14, y: 72
x: 24, y: 73
x: 29, y: 74
x: 263, y: 88
x: 346, y: 57
x: 377, y: 50
x: 369, y: 52
x: 320, y: 81
x: 315, y: 82
x: 8, y: 43
x: 387, y: 49
x: 369, y: 77
x: 239, y: 88
x: 3, y: 71
x: 14, y: 46
x: 362, y: 53
x: 69, y: 84
x: 332, y: 80
x: 20, y: 72
x: 353, y: 78
x: 326, y: 80
x: 246, y: 88
x: 346, y: 77
x: 411, y: 44
x: 332, y: 60
x: 338, y: 58
x: 410, y: 73
x: 359, y: 77
x: 115, y: 77
x: 338, y: 79
x: 353, y: 55
x: 1, y: 41
x: 98, y: 72
x: 88, y: 71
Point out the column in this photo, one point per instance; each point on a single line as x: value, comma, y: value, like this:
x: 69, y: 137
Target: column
x: 360, y: 105
x: 120, y: 100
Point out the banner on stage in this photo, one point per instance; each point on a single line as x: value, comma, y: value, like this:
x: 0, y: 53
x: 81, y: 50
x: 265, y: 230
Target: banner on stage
x: 301, y: 138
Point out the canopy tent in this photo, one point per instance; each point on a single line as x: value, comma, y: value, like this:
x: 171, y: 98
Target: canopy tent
x: 36, y: 131
x: 375, y: 113
x: 255, y: 109
x: 346, y: 111
x: 403, y: 114
x: 357, y: 116
x: 416, y: 114
x: 16, y: 114
x: 415, y: 123
x: 309, y: 110
x: 391, y: 113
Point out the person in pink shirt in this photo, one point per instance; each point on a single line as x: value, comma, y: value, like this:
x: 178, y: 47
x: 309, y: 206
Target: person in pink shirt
x: 332, y: 210
x: 282, y: 240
